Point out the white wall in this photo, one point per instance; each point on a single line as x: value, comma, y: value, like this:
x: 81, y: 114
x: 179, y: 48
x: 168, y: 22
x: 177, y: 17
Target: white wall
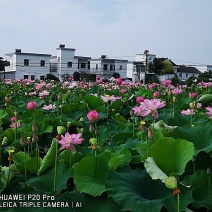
x: 34, y: 68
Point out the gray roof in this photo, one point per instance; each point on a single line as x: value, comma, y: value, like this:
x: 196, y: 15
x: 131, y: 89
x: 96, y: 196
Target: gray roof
x: 188, y: 69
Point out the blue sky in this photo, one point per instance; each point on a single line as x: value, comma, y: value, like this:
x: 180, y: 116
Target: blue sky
x: 177, y: 29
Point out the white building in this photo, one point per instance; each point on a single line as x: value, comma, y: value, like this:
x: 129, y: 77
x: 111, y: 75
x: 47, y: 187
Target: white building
x: 27, y: 65
x: 203, y: 68
x: 185, y: 72
x: 105, y: 67
x: 65, y: 62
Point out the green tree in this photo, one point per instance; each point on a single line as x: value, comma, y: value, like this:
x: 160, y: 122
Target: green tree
x: 167, y: 67
x: 3, y: 63
x: 156, y: 66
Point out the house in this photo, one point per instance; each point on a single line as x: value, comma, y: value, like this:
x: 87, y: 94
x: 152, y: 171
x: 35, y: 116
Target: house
x: 105, y: 67
x: 65, y: 62
x: 136, y: 69
x: 185, y: 72
x: 203, y: 68
x: 27, y: 65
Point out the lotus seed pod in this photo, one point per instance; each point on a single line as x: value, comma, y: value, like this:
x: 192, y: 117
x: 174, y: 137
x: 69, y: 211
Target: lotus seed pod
x: 61, y: 130
x: 171, y: 182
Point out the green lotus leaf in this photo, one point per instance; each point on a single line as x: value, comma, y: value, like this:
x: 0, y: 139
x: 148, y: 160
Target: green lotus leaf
x: 134, y: 190
x: 153, y: 170
x: 45, y: 183
x: 202, y: 189
x: 164, y: 128
x: 200, y: 135
x: 49, y: 158
x: 205, y: 99
x: 90, y: 174
x: 89, y: 203
x: 95, y: 103
x: 20, y: 157
x: 171, y: 155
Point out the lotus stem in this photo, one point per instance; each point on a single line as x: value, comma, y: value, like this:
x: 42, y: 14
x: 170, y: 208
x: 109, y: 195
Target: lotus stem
x: 25, y: 177
x: 209, y: 184
x: 55, y: 170
x: 178, y: 202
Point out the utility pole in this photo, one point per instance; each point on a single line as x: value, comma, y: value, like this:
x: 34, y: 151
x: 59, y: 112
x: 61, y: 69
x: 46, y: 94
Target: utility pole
x: 146, y: 54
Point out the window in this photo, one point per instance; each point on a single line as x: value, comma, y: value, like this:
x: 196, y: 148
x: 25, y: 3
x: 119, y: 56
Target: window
x: 105, y: 67
x: 42, y: 77
x: 88, y: 64
x: 26, y: 62
x: 69, y: 64
x: 186, y: 75
x: 42, y: 63
x: 120, y: 67
x: 58, y: 59
x: 83, y: 65
x: 111, y: 67
x: 96, y: 66
x: 26, y: 76
x: 32, y: 77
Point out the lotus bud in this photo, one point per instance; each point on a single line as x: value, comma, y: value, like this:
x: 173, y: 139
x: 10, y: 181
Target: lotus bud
x: 171, y: 182
x: 131, y: 113
x: 34, y: 128
x: 35, y: 137
x: 91, y: 128
x: 22, y: 141
x: 150, y: 134
x: 61, y: 130
x: 208, y: 170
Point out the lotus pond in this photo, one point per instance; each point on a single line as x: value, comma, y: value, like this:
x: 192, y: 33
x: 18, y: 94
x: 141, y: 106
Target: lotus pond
x: 105, y: 147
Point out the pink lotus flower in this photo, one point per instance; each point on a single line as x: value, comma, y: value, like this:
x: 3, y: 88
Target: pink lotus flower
x: 119, y: 81
x: 209, y: 109
x: 68, y: 141
x: 192, y: 94
x: 93, y: 116
x: 188, y: 112
x: 13, y: 119
x: 139, y: 99
x: 123, y: 91
x: 98, y: 77
x: 107, y: 98
x: 156, y: 94
x: 149, y: 106
x: 31, y: 105
x: 49, y: 107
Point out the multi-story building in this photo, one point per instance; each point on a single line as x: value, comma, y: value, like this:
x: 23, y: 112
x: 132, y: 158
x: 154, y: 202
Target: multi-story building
x: 65, y: 62
x: 27, y: 65
x: 105, y: 67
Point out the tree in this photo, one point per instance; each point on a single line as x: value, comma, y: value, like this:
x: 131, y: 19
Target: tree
x: 52, y: 77
x: 3, y: 63
x: 116, y: 75
x: 161, y: 66
x: 156, y: 66
x: 167, y: 67
x: 76, y: 76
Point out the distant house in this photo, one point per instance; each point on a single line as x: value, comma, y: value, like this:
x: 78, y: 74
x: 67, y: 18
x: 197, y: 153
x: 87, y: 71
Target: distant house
x: 27, y: 65
x: 65, y: 62
x: 105, y: 67
x: 185, y: 72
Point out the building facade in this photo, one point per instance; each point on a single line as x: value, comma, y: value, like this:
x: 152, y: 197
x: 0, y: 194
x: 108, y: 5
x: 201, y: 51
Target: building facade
x: 105, y: 67
x: 27, y: 65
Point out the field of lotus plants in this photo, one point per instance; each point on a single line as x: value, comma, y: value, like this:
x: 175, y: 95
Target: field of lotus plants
x: 105, y: 147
